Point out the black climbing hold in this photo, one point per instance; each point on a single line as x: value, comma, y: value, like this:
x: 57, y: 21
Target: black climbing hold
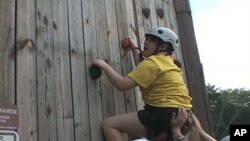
x: 95, y: 71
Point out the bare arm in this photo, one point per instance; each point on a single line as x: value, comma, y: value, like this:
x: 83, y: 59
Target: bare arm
x: 206, y: 137
x: 203, y: 135
x: 135, y: 52
x: 120, y: 82
x: 196, y: 133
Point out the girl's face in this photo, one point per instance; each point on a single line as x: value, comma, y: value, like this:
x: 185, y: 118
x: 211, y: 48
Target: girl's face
x: 149, y: 46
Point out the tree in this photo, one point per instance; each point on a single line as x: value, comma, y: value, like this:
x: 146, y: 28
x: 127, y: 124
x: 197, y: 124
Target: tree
x: 228, y: 107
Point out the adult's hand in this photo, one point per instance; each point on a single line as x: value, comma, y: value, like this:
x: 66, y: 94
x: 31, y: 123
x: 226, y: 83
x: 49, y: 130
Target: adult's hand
x: 178, y: 121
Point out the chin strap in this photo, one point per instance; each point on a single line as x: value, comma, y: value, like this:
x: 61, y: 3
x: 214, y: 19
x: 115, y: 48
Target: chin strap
x: 159, y: 49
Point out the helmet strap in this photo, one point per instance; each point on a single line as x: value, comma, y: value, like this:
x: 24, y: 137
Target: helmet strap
x: 159, y: 49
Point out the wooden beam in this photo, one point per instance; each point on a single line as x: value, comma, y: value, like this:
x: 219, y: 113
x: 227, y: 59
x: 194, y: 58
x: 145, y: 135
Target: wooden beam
x: 91, y: 50
x: 79, y: 71
x: 46, y: 91
x: 26, y: 69
x: 193, y: 67
x: 63, y: 85
x: 7, y: 51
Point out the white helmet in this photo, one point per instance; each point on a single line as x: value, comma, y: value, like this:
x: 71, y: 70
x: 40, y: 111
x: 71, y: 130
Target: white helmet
x: 166, y: 34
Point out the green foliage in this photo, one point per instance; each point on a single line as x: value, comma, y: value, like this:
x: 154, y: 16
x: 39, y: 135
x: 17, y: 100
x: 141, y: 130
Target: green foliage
x: 227, y: 107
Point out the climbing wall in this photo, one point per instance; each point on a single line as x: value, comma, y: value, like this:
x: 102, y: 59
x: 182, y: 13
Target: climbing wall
x: 46, y: 49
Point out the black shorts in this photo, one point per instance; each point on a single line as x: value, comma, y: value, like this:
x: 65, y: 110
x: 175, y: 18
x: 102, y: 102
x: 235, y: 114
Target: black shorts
x: 157, y: 120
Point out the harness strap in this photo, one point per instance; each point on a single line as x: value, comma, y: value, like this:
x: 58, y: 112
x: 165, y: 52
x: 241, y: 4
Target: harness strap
x: 141, y: 58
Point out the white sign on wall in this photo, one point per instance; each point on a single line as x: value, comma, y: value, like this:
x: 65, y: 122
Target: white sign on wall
x: 6, y: 135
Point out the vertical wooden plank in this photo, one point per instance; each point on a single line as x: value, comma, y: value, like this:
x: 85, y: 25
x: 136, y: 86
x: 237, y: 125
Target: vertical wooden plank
x: 130, y: 20
x: 94, y: 94
x: 7, y: 51
x: 122, y: 19
x: 140, y: 23
x: 47, y: 114
x: 139, y: 26
x: 159, y: 5
x: 134, y: 34
x: 117, y: 26
x: 167, y: 13
x: 180, y: 51
x: 115, y: 60
x: 192, y: 63
x: 107, y: 96
x: 63, y: 89
x: 145, y: 24
x: 174, y: 26
x: 163, y: 4
x: 153, y: 14
x: 172, y: 17
x: 146, y: 21
x: 126, y: 27
x: 26, y: 70
x: 79, y: 84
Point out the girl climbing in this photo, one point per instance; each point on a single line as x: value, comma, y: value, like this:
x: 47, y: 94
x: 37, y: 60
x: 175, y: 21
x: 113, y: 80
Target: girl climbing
x: 163, y: 90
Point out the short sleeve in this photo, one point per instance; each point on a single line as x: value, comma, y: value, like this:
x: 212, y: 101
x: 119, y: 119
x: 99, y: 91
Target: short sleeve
x: 145, y: 73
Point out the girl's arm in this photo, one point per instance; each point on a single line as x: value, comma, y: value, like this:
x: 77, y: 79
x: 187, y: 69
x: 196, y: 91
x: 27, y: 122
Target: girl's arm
x: 120, y: 82
x: 203, y: 135
x: 135, y: 52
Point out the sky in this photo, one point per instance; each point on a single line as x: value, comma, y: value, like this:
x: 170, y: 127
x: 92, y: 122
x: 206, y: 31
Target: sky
x: 222, y: 30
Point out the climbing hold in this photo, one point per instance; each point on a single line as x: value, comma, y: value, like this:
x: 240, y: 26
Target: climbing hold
x: 126, y: 43
x: 146, y: 12
x: 160, y: 12
x: 95, y: 71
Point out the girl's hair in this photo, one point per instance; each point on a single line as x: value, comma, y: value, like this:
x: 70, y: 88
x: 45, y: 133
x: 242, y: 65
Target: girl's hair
x: 170, y: 51
x: 177, y: 63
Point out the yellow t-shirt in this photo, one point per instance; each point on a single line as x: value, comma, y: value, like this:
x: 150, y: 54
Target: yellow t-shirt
x: 161, y: 82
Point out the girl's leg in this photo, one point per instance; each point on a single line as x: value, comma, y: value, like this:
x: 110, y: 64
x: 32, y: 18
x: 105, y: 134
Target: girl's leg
x: 113, y: 127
